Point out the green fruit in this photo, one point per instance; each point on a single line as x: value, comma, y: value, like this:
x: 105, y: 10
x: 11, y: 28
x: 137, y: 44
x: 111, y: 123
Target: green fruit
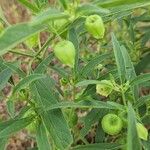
x: 104, y: 88
x: 95, y: 26
x: 142, y: 131
x: 112, y: 124
x: 65, y: 52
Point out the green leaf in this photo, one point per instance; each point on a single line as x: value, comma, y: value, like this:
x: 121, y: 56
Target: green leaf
x: 3, y: 143
x: 11, y: 108
x: 15, y: 68
x: 73, y: 37
x: 143, y: 64
x: 91, y: 118
x: 44, y: 95
x: 140, y: 79
x: 99, y: 146
x: 48, y: 15
x: 88, y: 9
x: 9, y: 127
x: 129, y: 68
x: 42, y: 138
x: 119, y: 58
x: 29, y: 5
x: 41, y: 68
x: 129, y: 71
x: 16, y: 34
x: 26, y: 81
x: 94, y: 62
x: 141, y: 101
x: 87, y: 82
x: 86, y: 104
x: 64, y: 3
x: 133, y: 141
x: 4, y: 77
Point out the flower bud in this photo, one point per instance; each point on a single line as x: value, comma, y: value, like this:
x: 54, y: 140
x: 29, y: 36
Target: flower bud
x: 142, y: 131
x: 104, y: 88
x: 95, y: 26
x: 65, y: 52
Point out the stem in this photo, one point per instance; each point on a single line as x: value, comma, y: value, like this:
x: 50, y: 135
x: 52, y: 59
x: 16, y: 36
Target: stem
x: 123, y: 98
x: 22, y: 53
x: 44, y: 46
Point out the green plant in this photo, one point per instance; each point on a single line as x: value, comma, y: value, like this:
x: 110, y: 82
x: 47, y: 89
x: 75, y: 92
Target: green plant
x: 97, y: 83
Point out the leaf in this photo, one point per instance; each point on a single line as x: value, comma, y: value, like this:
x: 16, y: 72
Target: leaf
x: 119, y: 58
x: 4, y: 77
x: 73, y: 37
x: 16, y: 34
x: 26, y: 81
x: 133, y: 141
x: 11, y: 108
x: 87, y: 82
x: 42, y: 138
x: 140, y: 79
x: 129, y: 71
x: 44, y: 95
x: 86, y: 104
x: 91, y: 118
x: 9, y: 127
x: 99, y: 146
x: 15, y: 68
x: 43, y: 65
x: 48, y: 15
x: 143, y: 64
x: 64, y: 3
x: 88, y: 9
x: 141, y: 101
x: 129, y: 68
x: 3, y: 143
x: 29, y: 5
x: 94, y: 62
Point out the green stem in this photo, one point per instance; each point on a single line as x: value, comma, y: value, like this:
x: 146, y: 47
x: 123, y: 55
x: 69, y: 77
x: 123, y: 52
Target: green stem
x: 123, y: 98
x: 22, y: 53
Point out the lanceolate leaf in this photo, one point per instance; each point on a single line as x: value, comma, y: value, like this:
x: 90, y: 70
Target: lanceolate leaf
x: 15, y: 69
x: 86, y: 104
x: 16, y: 34
x: 3, y: 143
x: 54, y: 120
x: 9, y: 127
x: 42, y: 138
x: 48, y: 15
x: 29, y: 5
x: 64, y: 3
x: 142, y: 100
x: 93, y: 63
x: 4, y: 77
x: 87, y: 82
x: 133, y: 141
x: 73, y: 37
x: 129, y: 71
x: 140, y: 79
x: 26, y: 81
x: 43, y: 65
x: 92, y: 117
x: 99, y: 146
x: 119, y: 58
